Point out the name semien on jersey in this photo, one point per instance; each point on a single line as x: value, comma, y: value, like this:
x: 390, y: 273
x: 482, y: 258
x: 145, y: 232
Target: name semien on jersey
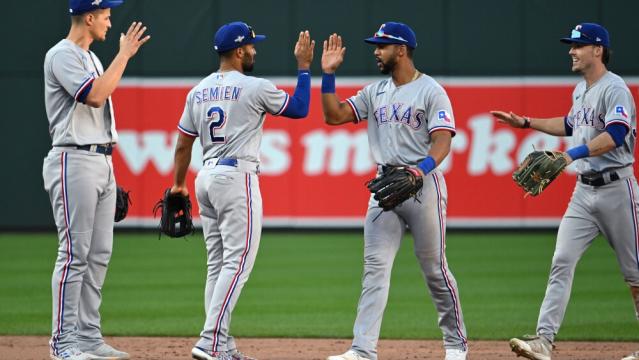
x: 397, y: 114
x: 218, y: 93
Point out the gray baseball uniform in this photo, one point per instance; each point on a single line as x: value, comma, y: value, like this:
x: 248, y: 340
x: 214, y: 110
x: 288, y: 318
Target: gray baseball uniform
x: 605, y: 199
x: 400, y: 121
x: 226, y: 110
x: 82, y: 189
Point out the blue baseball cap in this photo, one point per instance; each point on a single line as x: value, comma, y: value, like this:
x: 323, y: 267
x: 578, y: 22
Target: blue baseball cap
x: 590, y: 34
x: 233, y: 35
x: 394, y: 33
x: 78, y: 7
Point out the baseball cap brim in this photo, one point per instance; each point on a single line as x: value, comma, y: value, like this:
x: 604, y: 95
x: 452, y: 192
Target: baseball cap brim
x: 383, y: 40
x: 111, y: 3
x: 258, y: 38
x: 575, y: 40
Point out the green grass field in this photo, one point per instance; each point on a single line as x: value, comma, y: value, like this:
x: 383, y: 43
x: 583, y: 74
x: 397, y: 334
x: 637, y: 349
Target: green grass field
x: 307, y: 285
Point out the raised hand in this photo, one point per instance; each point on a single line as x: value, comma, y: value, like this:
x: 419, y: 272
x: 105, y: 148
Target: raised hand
x: 304, y: 50
x: 509, y: 118
x: 333, y: 54
x: 131, y: 41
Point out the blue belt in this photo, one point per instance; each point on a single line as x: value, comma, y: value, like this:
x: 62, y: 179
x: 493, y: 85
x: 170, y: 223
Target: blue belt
x: 227, y: 162
x: 100, y: 149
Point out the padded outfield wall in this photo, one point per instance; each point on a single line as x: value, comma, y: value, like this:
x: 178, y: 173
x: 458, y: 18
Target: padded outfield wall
x: 503, y: 41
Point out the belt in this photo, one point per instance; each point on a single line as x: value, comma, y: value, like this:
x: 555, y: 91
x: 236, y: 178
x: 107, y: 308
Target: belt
x: 599, y: 179
x: 243, y: 165
x: 100, y: 149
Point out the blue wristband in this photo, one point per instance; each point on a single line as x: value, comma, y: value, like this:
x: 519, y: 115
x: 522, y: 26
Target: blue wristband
x: 427, y: 165
x: 328, y: 83
x: 579, y: 152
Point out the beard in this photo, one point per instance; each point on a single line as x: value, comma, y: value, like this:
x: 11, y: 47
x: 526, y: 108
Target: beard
x: 387, y: 67
x: 247, y: 63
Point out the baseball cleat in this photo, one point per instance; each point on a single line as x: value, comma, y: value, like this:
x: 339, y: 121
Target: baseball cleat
x: 455, y: 354
x: 72, y: 354
x: 107, y: 352
x: 200, y: 354
x: 633, y: 356
x: 532, y: 347
x: 349, y: 355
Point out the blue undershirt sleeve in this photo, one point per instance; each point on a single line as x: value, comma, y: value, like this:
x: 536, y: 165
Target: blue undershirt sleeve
x: 617, y: 132
x: 567, y: 126
x: 299, y: 103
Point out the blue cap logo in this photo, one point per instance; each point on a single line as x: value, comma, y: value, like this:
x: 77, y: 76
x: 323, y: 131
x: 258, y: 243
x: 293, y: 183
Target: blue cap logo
x: 588, y: 34
x: 233, y: 35
x: 394, y: 33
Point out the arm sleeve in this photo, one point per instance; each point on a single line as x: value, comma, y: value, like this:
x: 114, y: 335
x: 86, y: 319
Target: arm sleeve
x: 298, y: 104
x: 186, y: 124
x: 619, y: 106
x: 440, y: 116
x: 360, y: 104
x: 618, y: 133
x: 69, y: 70
x: 568, y: 124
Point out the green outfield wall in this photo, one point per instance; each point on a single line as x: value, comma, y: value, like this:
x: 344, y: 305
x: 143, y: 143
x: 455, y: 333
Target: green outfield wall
x: 460, y: 38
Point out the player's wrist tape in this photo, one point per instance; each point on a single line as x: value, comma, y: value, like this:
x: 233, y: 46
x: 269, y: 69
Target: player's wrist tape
x: 579, y: 152
x: 526, y: 123
x: 328, y: 83
x: 427, y: 165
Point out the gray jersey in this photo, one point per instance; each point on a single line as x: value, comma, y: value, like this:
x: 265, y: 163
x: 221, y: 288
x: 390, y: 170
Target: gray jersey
x: 608, y: 101
x: 228, y: 127
x: 401, y: 119
x: 69, y: 71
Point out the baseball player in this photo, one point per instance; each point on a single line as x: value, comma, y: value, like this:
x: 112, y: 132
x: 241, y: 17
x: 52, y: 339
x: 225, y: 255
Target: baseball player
x: 78, y: 174
x: 410, y: 123
x: 602, y: 124
x: 226, y: 111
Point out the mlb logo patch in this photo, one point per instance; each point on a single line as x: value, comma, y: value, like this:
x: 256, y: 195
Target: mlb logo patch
x: 620, y: 110
x: 443, y: 115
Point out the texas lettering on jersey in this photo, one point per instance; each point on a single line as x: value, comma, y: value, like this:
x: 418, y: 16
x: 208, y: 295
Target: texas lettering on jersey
x: 586, y: 117
x: 397, y: 114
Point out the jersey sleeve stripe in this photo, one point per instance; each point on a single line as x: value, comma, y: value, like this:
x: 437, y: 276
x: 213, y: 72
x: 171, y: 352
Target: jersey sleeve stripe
x: 436, y: 128
x: 187, y: 132
x: 83, y: 87
x: 358, y: 118
x: 618, y: 122
x: 284, y: 106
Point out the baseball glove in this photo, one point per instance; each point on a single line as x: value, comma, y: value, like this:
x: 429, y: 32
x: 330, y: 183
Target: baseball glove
x: 395, y: 186
x: 176, y: 219
x: 122, y: 202
x: 538, y: 170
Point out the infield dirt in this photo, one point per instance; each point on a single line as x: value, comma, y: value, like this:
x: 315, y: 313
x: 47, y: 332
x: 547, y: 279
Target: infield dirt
x: 168, y: 348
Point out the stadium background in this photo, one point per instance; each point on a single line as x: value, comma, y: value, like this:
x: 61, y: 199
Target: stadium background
x: 489, y: 54
x: 505, y: 43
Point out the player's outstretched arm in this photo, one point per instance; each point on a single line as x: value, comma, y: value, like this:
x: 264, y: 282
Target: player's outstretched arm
x: 104, y: 85
x: 553, y: 126
x: 298, y: 105
x: 182, y: 159
x: 335, y: 112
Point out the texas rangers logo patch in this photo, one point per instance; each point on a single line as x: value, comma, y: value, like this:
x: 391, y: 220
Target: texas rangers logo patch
x: 443, y: 115
x: 620, y: 110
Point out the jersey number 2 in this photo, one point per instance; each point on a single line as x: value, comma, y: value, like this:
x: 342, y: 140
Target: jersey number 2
x: 217, y: 121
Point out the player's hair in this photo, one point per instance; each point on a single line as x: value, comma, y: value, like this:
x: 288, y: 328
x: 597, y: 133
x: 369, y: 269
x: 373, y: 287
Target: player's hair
x: 78, y: 19
x: 605, y: 57
x: 409, y: 52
